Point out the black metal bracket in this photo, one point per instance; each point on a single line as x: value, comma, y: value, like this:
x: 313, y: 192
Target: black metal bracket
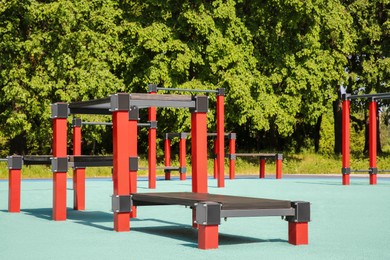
x: 182, y: 169
x: 59, y: 110
x: 279, y: 156
x: 208, y: 213
x: 120, y: 102
x: 133, y: 164
x: 373, y: 170
x: 201, y: 104
x: 302, y: 212
x: 152, y: 88
x: 221, y: 92
x: 153, y: 124
x: 134, y: 113
x: 345, y: 170
x: 232, y: 136
x: 76, y: 122
x: 15, y: 162
x: 59, y: 164
x: 231, y: 156
x: 121, y: 203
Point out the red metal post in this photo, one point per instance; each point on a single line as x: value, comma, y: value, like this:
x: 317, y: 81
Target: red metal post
x: 232, y: 156
x: 298, y: 233
x: 133, y: 152
x: 59, y: 151
x: 167, y: 157
x: 345, y: 145
x: 121, y: 154
x: 199, y: 145
x: 215, y: 158
x: 14, y: 184
x: 221, y: 138
x: 152, y: 152
x: 262, y: 168
x: 207, y: 237
x: 78, y: 173
x: 182, y: 156
x: 372, y: 135
x: 278, y: 162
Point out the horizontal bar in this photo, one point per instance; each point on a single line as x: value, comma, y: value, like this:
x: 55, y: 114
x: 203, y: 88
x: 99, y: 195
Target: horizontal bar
x: 3, y: 159
x: 37, y: 159
x: 142, y: 100
x: 374, y: 96
x: 256, y: 154
x: 96, y: 123
x: 188, y: 90
x: 256, y: 212
x: 83, y: 161
x: 172, y: 168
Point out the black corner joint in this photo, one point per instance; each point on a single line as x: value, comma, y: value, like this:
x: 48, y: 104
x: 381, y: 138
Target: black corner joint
x: 59, y: 110
x: 134, y: 113
x: 133, y: 164
x: 122, y: 203
x: 232, y: 136
x: 279, y: 156
x: 152, y: 88
x: 201, y: 104
x: 153, y: 124
x: 232, y: 156
x: 345, y: 96
x: 345, y: 170
x: 208, y: 213
x: 221, y: 92
x: 373, y: 170
x: 59, y: 164
x: 120, y: 102
x: 183, y: 135
x: 182, y: 170
x: 76, y: 122
x: 302, y: 212
x: 15, y: 162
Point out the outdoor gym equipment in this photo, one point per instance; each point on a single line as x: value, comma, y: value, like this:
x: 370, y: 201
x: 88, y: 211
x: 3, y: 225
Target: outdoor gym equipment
x: 372, y: 130
x: 220, y: 153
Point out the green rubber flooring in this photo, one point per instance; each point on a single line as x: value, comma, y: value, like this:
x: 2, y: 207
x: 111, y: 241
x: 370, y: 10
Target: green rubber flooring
x: 348, y: 222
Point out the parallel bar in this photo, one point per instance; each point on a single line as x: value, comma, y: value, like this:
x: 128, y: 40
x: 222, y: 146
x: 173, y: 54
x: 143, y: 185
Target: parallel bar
x: 188, y: 90
x: 78, y: 173
x: 373, y: 96
x: 221, y: 140
x: 199, y: 152
x: 133, y: 152
x: 152, y: 151
x: 257, y: 212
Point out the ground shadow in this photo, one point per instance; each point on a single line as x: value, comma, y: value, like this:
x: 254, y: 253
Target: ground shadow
x: 189, y: 235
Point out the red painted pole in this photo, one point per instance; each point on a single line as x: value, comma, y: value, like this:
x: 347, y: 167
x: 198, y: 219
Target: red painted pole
x: 133, y: 152
x: 298, y: 233
x: 262, y: 168
x: 59, y: 178
x: 121, y: 154
x: 232, y: 157
x: 345, y: 145
x: 279, y: 163
x: 182, y: 156
x: 152, y: 152
x: 14, y: 184
x: 372, y: 137
x: 215, y: 159
x: 199, y: 151
x: 78, y: 173
x: 221, y: 138
x: 167, y: 157
x: 207, y: 237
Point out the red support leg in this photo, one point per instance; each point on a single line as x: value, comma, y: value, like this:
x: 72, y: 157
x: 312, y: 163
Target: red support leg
x: 372, y: 143
x: 167, y: 157
x: 221, y: 139
x: 133, y: 153
x: 232, y: 159
x: 152, y: 152
x: 208, y: 237
x: 14, y: 184
x: 278, y: 162
x: 345, y: 145
x: 79, y: 173
x: 298, y: 233
x: 121, y: 156
x: 262, y: 168
x: 59, y: 178
x: 199, y: 151
x: 182, y: 157
x: 215, y: 159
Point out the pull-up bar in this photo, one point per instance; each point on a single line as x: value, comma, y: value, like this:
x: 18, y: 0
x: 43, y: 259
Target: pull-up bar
x: 155, y: 88
x: 372, y: 130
